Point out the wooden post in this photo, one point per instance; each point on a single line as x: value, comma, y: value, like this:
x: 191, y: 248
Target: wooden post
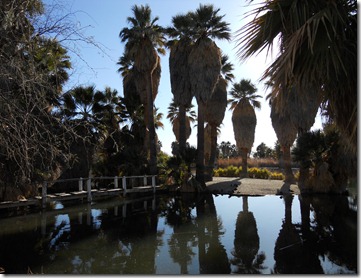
x: 145, y: 181
x: 115, y: 182
x: 89, y: 189
x: 80, y: 182
x: 124, y: 186
x: 43, y: 195
x: 153, y: 183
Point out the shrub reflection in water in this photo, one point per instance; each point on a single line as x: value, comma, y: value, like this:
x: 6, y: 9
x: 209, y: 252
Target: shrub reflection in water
x: 187, y: 234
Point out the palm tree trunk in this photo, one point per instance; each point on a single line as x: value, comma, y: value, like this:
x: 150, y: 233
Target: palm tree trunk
x: 244, y: 154
x: 304, y: 171
x: 212, y: 157
x: 182, y: 129
x: 151, y: 129
x: 303, y: 177
x: 146, y: 132
x: 287, y: 162
x: 200, y: 144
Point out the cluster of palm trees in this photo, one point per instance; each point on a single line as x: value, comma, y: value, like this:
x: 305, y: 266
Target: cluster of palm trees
x: 308, y: 72
x: 70, y: 134
x: 198, y: 69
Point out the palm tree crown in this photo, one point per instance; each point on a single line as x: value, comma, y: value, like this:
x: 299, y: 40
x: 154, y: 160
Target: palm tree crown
x: 181, y: 28
x: 79, y: 103
x: 208, y: 24
x: 244, y: 90
x: 142, y: 26
x: 173, y: 112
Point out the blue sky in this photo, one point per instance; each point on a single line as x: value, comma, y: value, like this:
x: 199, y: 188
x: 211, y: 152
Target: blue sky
x: 95, y: 67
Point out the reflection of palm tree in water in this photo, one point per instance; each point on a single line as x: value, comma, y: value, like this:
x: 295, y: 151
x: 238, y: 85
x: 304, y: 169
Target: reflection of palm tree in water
x: 182, y: 240
x: 292, y: 255
x: 334, y: 229
x: 246, y: 243
x: 212, y: 254
x: 203, y: 229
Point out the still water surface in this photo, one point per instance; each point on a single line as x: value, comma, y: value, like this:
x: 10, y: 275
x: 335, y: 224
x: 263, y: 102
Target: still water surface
x: 186, y: 234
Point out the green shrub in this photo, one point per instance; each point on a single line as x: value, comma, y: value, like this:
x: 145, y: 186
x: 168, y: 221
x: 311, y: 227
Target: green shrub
x: 230, y: 171
x: 277, y: 176
x: 256, y: 173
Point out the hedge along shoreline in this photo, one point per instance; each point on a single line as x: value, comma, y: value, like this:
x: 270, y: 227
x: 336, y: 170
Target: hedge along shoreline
x: 256, y: 173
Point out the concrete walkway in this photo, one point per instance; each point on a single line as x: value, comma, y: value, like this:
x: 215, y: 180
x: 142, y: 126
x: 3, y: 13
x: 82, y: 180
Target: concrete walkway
x: 250, y: 187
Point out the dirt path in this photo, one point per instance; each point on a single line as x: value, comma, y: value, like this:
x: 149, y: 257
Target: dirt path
x: 250, y: 187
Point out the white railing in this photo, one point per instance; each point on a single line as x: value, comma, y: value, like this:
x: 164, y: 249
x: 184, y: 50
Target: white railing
x: 125, y: 181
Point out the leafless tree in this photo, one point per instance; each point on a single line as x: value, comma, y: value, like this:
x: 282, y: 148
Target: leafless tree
x: 34, y: 142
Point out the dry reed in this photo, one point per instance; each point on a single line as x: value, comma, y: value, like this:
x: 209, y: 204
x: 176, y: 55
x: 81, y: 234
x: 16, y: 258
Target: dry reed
x: 252, y: 162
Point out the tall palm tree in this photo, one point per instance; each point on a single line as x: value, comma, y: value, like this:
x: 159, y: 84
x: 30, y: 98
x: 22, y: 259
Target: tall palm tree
x: 204, y: 63
x: 318, y: 50
x: 297, y: 109
x: 180, y: 47
x: 243, y: 102
x: 174, y: 115
x: 286, y: 133
x: 305, y: 106
x: 143, y: 40
x: 216, y: 107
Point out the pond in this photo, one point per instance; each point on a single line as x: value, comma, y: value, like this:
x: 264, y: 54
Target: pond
x: 186, y: 234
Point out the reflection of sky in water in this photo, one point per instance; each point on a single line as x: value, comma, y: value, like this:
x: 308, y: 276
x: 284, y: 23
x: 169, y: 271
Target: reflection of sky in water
x: 331, y: 268
x: 269, y: 213
x: 96, y: 214
x: 62, y: 224
x: 164, y: 262
x: 58, y: 205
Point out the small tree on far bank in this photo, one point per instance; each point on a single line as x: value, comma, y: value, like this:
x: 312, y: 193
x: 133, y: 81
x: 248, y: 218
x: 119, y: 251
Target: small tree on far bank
x: 263, y: 151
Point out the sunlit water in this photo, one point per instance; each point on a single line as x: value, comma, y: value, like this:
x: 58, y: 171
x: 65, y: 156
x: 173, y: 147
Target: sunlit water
x: 186, y: 234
